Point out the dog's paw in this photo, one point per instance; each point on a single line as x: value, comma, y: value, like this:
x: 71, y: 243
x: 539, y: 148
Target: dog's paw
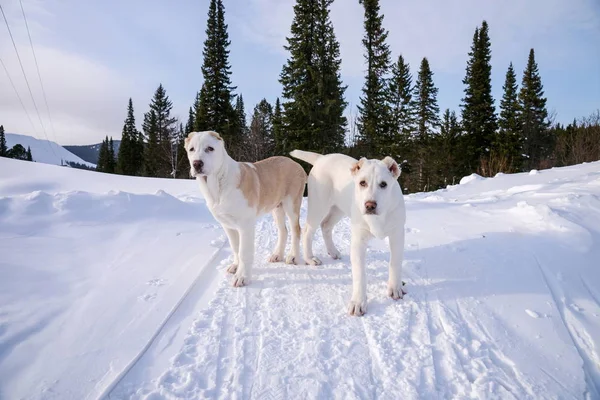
x: 290, y: 259
x: 240, y: 280
x: 395, y: 291
x: 313, y: 261
x: 357, y: 308
x: 273, y: 258
x: 335, y: 255
x: 232, y: 268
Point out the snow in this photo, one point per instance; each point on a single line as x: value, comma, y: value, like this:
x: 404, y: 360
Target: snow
x: 471, y: 178
x: 44, y: 151
x: 115, y: 286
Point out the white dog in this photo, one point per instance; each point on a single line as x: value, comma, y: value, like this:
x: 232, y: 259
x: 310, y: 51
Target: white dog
x: 368, y: 192
x: 237, y: 193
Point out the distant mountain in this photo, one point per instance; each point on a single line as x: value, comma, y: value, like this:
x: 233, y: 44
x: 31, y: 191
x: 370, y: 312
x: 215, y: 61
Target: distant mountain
x: 45, y: 151
x: 90, y: 152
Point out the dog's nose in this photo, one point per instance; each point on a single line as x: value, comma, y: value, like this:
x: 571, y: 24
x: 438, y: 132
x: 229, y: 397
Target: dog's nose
x: 370, y: 206
x: 198, y: 164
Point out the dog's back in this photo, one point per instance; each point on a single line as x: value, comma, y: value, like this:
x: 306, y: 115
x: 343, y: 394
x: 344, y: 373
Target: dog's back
x: 268, y: 182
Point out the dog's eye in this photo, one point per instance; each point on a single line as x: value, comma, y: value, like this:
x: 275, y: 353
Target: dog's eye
x: 191, y: 149
x: 363, y: 183
x: 209, y: 149
x: 383, y: 185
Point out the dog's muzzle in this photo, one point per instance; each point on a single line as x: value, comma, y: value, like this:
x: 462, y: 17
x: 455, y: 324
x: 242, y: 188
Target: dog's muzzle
x: 371, y: 207
x: 198, y: 165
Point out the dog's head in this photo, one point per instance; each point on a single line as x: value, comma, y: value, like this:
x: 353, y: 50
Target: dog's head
x: 205, y: 152
x: 375, y: 184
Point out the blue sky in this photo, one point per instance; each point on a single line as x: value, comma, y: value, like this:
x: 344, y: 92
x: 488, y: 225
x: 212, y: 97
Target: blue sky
x: 93, y: 56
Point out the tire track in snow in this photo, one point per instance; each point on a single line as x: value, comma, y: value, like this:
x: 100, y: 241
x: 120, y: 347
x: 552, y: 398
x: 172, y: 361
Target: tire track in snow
x: 590, y: 360
x: 203, y: 272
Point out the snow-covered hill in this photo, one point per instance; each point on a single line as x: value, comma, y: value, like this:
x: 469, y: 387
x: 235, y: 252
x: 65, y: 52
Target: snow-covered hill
x: 115, y: 286
x: 45, y: 151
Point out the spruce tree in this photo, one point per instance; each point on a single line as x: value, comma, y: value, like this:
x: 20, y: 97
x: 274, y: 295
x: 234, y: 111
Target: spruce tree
x: 111, y: 157
x: 426, y: 118
x: 189, y: 126
x: 29, y: 155
x: 3, y: 147
x: 216, y: 94
x: 129, y: 155
x: 182, y: 168
x: 260, y: 142
x: 240, y: 112
x: 537, y: 141
x: 508, y: 142
x: 151, y: 149
x: 374, y: 113
x: 201, y: 121
x: 278, y: 135
x: 447, y: 152
x: 313, y: 94
x: 103, y: 157
x: 166, y: 132
x: 402, y: 113
x: 478, y: 112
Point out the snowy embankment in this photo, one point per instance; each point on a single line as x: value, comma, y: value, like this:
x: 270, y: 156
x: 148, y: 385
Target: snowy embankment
x: 45, y: 151
x: 124, y: 294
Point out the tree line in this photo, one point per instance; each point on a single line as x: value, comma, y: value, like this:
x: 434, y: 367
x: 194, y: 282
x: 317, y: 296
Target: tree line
x: 17, y: 151
x: 398, y: 114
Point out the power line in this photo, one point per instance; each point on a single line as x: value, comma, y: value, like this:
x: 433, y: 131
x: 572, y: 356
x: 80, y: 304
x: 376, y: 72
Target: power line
x: 38, y: 72
x: 19, y: 96
x: 27, y: 82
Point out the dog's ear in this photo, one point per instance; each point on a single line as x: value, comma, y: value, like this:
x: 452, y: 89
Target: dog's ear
x: 392, y: 166
x: 188, y: 138
x: 215, y: 135
x: 357, y: 166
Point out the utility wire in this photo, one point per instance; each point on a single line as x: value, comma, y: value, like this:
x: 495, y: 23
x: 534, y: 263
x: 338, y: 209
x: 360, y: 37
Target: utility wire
x: 27, y: 82
x: 18, y: 96
x: 38, y: 72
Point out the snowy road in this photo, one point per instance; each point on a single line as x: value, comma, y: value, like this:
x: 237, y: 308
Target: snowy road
x: 503, y: 303
x: 124, y: 295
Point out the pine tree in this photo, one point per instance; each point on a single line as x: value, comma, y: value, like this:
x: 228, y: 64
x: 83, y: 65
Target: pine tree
x: 508, y: 142
x: 331, y: 123
x: 425, y: 102
x: 29, y: 155
x: 201, y: 122
x: 166, y: 131
x: 111, y: 157
x: 240, y: 112
x: 374, y: 112
x: 313, y: 94
x: 216, y: 93
x: 3, y: 147
x: 447, y: 151
x: 129, y: 155
x: 278, y: 135
x: 478, y: 112
x: 260, y: 142
x: 182, y: 169
x: 103, y: 157
x: 151, y: 149
x: 537, y: 141
x: 402, y: 112
x: 426, y: 118
x: 189, y: 126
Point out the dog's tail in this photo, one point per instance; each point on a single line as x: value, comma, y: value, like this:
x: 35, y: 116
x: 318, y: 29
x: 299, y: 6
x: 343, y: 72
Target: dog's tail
x: 307, y: 156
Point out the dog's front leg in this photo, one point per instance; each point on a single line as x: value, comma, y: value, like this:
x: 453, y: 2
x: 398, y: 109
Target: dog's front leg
x: 246, y: 257
x: 234, y: 243
x: 396, y: 256
x: 358, y: 245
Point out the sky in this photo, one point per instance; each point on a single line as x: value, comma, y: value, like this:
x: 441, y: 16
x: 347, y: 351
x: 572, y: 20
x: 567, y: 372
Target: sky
x: 94, y: 55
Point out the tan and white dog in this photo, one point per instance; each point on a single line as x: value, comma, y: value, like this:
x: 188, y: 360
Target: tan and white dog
x: 236, y: 193
x: 368, y: 192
